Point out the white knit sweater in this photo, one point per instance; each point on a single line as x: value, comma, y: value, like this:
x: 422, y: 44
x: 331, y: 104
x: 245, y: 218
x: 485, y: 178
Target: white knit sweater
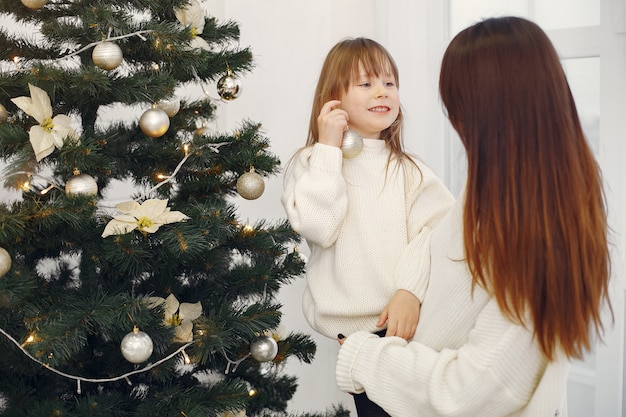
x: 466, y: 359
x: 367, y: 230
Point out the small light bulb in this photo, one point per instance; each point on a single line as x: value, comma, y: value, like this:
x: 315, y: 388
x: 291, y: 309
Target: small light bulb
x: 30, y: 339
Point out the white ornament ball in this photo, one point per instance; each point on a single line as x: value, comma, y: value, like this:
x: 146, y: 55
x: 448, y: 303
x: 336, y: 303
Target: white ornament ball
x: 229, y: 87
x: 154, y: 122
x: 352, y: 144
x: 136, y: 346
x: 107, y: 55
x: 264, y: 349
x: 34, y: 4
x: 3, y: 114
x: 5, y: 262
x: 169, y: 106
x: 82, y: 184
x: 250, y: 185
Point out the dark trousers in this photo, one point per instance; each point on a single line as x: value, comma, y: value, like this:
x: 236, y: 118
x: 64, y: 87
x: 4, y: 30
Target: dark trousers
x: 367, y: 408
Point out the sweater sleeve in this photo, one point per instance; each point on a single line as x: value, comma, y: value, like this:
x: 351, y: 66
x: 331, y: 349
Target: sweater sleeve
x: 493, y: 374
x: 314, y: 195
x: 428, y: 201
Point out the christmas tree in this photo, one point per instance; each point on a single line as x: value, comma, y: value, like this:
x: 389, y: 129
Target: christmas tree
x: 163, y: 304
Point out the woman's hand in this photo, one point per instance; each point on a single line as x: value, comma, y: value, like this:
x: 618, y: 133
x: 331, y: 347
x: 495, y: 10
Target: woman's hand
x: 331, y: 122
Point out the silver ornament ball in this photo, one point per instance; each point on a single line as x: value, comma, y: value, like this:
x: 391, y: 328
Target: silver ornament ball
x: 3, y: 114
x: 169, y: 106
x: 107, y: 55
x: 81, y: 184
x: 5, y: 262
x: 229, y: 87
x: 154, y: 122
x: 250, y: 185
x: 352, y: 144
x: 264, y: 349
x: 136, y: 346
x: 34, y: 4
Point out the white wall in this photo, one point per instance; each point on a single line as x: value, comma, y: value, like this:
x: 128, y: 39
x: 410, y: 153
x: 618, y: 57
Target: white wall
x: 289, y: 40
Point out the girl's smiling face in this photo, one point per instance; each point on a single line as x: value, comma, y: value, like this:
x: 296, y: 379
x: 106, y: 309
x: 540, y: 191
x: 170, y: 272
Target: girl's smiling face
x: 372, y: 103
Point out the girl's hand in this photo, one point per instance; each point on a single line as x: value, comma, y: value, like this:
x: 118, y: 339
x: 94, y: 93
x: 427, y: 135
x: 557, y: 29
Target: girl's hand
x: 401, y: 314
x: 331, y: 122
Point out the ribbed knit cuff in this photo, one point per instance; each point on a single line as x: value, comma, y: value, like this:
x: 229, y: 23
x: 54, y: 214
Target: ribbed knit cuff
x: 346, y: 359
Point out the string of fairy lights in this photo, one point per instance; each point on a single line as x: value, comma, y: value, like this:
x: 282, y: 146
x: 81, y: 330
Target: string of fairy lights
x: 80, y: 379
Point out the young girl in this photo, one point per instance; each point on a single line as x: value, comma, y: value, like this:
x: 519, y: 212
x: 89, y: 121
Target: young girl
x: 520, y: 265
x: 366, y: 219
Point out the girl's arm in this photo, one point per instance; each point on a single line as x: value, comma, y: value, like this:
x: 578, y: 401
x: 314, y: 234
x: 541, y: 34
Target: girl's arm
x: 314, y: 195
x: 428, y: 201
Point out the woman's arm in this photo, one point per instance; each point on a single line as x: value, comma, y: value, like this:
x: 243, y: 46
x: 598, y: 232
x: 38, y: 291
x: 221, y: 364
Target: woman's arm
x: 493, y: 374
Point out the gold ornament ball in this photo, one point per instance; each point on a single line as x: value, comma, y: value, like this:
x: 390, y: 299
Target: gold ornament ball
x: 81, y: 184
x: 352, y: 144
x: 264, y: 349
x: 229, y: 87
x: 154, y: 122
x: 250, y: 185
x: 34, y: 4
x: 5, y: 262
x: 107, y: 55
x: 202, y: 131
x: 169, y: 106
x: 3, y: 114
x: 136, y: 346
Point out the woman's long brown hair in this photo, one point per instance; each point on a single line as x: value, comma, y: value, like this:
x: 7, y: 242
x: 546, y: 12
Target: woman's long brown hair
x: 535, y: 225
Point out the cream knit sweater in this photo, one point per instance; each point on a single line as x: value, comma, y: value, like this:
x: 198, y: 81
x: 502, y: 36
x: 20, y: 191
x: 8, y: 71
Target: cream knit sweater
x: 466, y: 359
x: 367, y: 230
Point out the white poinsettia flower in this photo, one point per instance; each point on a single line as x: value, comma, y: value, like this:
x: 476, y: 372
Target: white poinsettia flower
x: 146, y: 217
x: 179, y: 315
x: 192, y: 15
x: 50, y: 132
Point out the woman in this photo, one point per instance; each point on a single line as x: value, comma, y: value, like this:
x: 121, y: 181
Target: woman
x: 520, y: 265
